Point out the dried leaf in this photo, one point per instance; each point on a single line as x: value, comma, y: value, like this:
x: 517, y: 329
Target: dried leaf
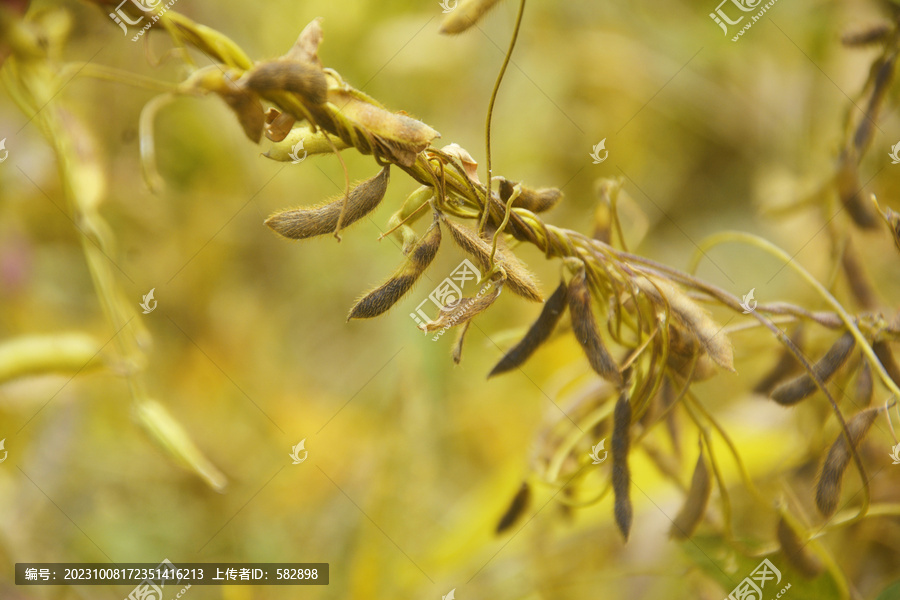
x: 463, y: 156
x: 278, y: 124
x: 306, y: 48
x: 803, y: 386
x: 302, y: 223
x: 537, y: 334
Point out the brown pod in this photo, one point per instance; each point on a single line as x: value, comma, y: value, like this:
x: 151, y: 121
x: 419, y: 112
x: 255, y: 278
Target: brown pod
x: 885, y: 356
x: 534, y: 200
x: 793, y: 391
x: 294, y: 76
x: 382, y: 298
x: 302, y: 223
x: 828, y: 490
x: 865, y: 385
x: 849, y: 189
x: 519, y: 280
x: 537, y: 334
x: 795, y: 551
x: 518, y: 506
x: 873, y: 35
x: 584, y: 326
x: 691, y: 513
x: 786, y: 365
x: 893, y: 222
x: 621, y: 476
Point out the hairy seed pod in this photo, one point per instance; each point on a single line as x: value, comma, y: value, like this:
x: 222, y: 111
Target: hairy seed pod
x: 694, y: 318
x: 828, y: 490
x: 295, y: 76
x: 873, y: 35
x: 534, y: 200
x: 302, y: 223
x: 859, y: 285
x: 793, y: 391
x: 795, y: 551
x: 885, y: 356
x: 465, y: 15
x: 518, y: 506
x: 584, y: 326
x: 849, y: 188
x: 519, y: 279
x: 391, y: 134
x: 893, y: 222
x: 865, y: 385
x: 694, y: 507
x: 786, y: 365
x: 382, y: 298
x: 621, y: 476
x: 537, y: 334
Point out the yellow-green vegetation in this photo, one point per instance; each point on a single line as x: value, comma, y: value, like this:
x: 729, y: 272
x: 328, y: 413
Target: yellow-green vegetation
x: 712, y: 384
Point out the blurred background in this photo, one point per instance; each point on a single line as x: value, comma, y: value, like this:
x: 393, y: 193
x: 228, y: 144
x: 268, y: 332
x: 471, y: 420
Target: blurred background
x: 413, y: 460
